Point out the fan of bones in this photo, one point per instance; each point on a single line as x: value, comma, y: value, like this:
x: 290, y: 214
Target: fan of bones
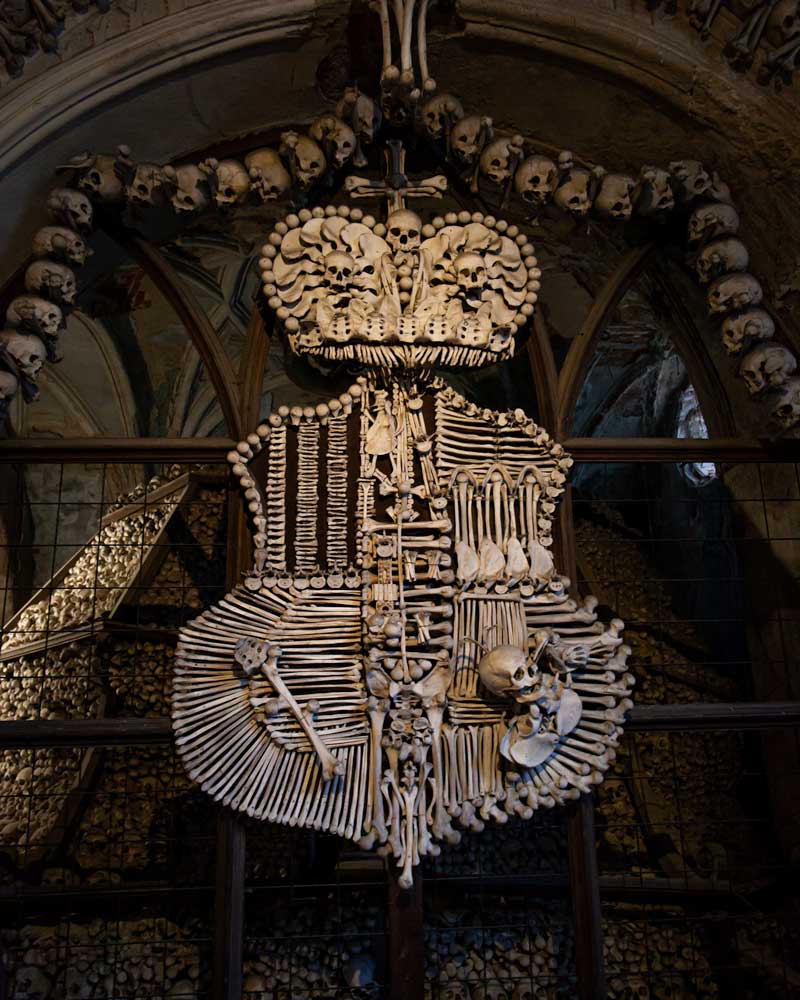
x: 403, y: 659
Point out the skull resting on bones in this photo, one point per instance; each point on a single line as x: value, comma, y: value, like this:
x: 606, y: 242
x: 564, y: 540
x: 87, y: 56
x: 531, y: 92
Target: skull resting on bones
x: 721, y: 257
x: 752, y: 324
x: 147, y: 180
x: 767, y: 366
x: 71, y: 207
x: 536, y: 179
x: 499, y: 158
x: 614, y: 197
x: 786, y: 410
x: 99, y: 174
x: 471, y: 276
x: 27, y: 350
x: 506, y: 672
x: 228, y: 180
x: 468, y: 137
x: 691, y: 177
x: 308, y: 160
x: 574, y: 192
x: 339, y: 271
x: 334, y: 135
x: 784, y: 18
x: 53, y: 280
x: 269, y: 178
x: 713, y: 220
x: 361, y: 111
x: 8, y: 389
x: 58, y: 241
x: 734, y: 291
x: 188, y: 188
x: 403, y: 232
x: 438, y: 114
x: 36, y: 314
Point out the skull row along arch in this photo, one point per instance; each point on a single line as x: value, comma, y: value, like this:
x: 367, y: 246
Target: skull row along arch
x: 336, y: 140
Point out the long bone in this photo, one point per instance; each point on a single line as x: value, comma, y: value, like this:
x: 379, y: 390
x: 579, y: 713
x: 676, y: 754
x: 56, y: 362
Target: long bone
x: 252, y: 654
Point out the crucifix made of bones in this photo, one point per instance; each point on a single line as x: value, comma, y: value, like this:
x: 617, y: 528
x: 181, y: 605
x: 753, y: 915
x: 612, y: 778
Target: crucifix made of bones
x: 403, y: 660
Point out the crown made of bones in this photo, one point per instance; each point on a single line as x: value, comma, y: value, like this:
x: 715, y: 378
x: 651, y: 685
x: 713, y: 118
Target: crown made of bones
x: 402, y: 293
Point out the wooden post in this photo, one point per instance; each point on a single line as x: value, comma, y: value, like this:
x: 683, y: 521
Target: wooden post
x: 406, y: 937
x: 229, y: 908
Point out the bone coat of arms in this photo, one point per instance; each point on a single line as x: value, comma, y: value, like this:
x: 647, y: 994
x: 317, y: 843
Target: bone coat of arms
x: 403, y: 659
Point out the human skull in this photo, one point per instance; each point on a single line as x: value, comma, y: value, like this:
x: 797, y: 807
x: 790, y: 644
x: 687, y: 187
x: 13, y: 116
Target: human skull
x: 734, y: 291
x: 53, y: 280
x: 8, y: 389
x: 721, y: 257
x: 454, y: 991
x: 752, y: 324
x: 27, y: 350
x: 785, y: 19
x: 35, y: 314
x: 490, y: 990
x: 536, y: 179
x: 767, y: 366
x: 573, y: 193
x: 187, y: 188
x: 654, y: 192
x: 71, y: 207
x: 147, y: 180
x: 499, y: 159
x: 403, y: 232
x: 58, y: 241
x: 228, y: 180
x: 614, y: 200
x: 470, y: 271
x: 439, y: 113
x: 361, y: 111
x: 336, y: 138
x: 269, y: 178
x: 786, y: 410
x: 712, y: 220
x: 306, y: 156
x: 99, y: 174
x: 468, y: 137
x: 691, y: 178
x: 506, y: 672
x: 339, y: 270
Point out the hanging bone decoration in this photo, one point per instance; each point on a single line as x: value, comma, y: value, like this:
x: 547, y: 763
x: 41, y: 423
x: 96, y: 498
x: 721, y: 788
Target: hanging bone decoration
x: 403, y: 658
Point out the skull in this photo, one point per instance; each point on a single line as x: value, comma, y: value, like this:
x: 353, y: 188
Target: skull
x: 734, y: 291
x: 752, y: 324
x: 8, y: 389
x: 35, y: 314
x: 336, y: 138
x: 614, y: 197
x: 269, y: 178
x: 147, y: 180
x: 439, y: 113
x: 58, y: 241
x: 471, y: 276
x: 712, y: 220
x: 468, y: 137
x: 499, y: 158
x: 536, y: 180
x: 490, y: 990
x: 187, y: 187
x: 720, y: 257
x: 27, y: 350
x: 306, y: 156
x: 228, y: 181
x: 654, y: 192
x: 71, y: 207
x: 573, y: 193
x: 767, y: 366
x: 361, y: 111
x: 784, y: 19
x: 403, y: 231
x: 55, y: 281
x: 691, y: 177
x: 339, y: 270
x: 506, y: 672
x: 99, y: 174
x: 786, y: 410
x: 454, y: 991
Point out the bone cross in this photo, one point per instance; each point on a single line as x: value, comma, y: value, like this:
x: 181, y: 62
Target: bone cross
x: 396, y: 186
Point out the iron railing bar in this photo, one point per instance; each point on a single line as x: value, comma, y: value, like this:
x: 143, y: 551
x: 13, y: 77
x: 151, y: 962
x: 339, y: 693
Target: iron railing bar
x: 115, y: 450
x: 622, y: 450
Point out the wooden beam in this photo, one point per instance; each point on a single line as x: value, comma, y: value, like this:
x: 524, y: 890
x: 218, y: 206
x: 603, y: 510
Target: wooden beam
x: 729, y: 450
x: 584, y: 888
x: 113, y: 450
x: 406, y: 937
